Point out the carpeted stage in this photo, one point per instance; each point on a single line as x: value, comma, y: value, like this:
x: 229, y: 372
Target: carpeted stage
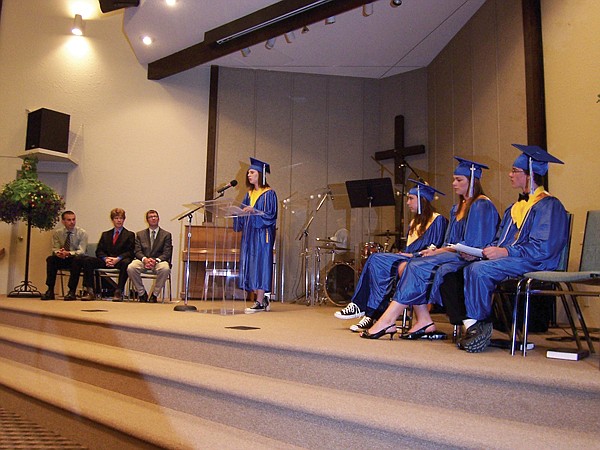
x: 132, y: 375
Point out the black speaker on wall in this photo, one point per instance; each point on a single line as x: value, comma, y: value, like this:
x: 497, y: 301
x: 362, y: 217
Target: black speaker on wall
x: 48, y: 129
x: 113, y: 5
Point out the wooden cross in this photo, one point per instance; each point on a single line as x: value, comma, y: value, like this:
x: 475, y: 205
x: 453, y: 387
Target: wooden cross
x: 398, y: 153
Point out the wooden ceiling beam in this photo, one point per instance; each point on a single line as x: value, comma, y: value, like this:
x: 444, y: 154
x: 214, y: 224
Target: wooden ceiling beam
x: 265, y: 25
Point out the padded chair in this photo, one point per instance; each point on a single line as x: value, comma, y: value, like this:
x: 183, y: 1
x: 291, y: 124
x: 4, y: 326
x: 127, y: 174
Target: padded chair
x: 561, y: 285
x: 65, y: 273
x: 506, y: 291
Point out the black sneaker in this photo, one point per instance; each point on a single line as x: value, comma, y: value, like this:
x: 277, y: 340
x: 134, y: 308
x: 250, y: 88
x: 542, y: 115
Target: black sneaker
x: 477, y: 337
x: 257, y: 307
x: 364, y: 324
x: 351, y: 311
x: 48, y: 295
x: 267, y: 303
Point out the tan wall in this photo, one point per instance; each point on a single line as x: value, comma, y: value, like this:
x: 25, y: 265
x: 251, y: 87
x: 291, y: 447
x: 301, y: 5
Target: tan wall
x: 140, y: 144
x: 572, y: 75
x: 315, y: 131
x: 476, y: 100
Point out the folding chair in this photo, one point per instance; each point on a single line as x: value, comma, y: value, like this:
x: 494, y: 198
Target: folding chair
x: 65, y: 273
x: 561, y: 285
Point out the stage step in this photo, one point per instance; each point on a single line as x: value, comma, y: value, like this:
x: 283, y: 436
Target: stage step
x: 280, y: 395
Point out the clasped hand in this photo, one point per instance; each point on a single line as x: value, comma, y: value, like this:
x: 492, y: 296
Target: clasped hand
x: 111, y: 261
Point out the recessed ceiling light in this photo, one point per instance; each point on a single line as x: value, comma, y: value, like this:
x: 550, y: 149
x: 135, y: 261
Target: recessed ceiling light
x: 170, y: 2
x: 147, y: 40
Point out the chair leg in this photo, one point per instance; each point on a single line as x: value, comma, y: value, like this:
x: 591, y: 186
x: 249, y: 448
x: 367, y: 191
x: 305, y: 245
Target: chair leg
x: 584, y: 327
x: 513, y: 345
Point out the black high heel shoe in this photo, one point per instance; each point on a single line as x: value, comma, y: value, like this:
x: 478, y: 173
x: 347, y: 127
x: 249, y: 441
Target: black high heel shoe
x: 418, y: 334
x: 366, y: 335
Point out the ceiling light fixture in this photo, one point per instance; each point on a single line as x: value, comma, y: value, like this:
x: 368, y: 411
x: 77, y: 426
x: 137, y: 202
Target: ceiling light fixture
x: 304, y: 29
x: 330, y: 20
x: 266, y: 23
x: 246, y: 51
x: 395, y: 3
x: 147, y: 40
x: 289, y: 37
x: 77, y: 29
x: 367, y: 9
x: 170, y: 2
x: 270, y: 43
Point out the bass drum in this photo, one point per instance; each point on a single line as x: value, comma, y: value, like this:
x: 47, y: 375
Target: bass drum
x: 339, y: 283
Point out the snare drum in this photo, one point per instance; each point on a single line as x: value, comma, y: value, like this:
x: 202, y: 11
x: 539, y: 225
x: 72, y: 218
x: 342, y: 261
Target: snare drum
x: 368, y: 249
x: 339, y: 283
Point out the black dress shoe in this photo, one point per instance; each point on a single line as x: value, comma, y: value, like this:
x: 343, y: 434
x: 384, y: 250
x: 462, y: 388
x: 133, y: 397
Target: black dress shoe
x: 48, y: 295
x: 118, y: 296
x: 144, y: 297
x: 153, y: 299
x: 366, y: 335
x: 70, y: 296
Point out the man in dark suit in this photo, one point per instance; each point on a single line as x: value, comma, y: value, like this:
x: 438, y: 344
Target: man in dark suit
x: 114, y: 251
x: 153, y: 252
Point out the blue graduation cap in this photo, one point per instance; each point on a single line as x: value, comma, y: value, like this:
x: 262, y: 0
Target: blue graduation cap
x: 261, y: 167
x: 534, y: 159
x: 423, y: 190
x: 470, y: 169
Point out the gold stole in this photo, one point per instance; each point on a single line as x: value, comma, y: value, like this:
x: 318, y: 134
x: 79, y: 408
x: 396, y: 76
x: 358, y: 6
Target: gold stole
x: 413, y: 236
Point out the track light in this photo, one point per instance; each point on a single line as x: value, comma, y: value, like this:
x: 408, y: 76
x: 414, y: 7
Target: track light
x: 367, y: 9
x: 290, y: 37
x: 304, y: 29
x: 395, y: 3
x: 330, y: 20
x: 77, y: 29
x: 245, y: 51
x: 270, y: 43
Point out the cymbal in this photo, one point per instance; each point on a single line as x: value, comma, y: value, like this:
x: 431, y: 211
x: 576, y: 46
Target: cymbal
x: 388, y: 233
x: 329, y: 240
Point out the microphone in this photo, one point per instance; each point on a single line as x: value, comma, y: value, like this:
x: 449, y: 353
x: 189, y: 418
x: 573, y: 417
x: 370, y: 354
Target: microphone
x: 232, y: 183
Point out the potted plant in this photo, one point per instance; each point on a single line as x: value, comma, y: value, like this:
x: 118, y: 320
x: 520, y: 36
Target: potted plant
x: 29, y: 200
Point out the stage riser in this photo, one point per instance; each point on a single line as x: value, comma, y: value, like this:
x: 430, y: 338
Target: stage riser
x: 512, y: 401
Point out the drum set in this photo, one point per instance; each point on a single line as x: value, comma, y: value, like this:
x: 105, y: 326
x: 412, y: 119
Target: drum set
x: 333, y: 279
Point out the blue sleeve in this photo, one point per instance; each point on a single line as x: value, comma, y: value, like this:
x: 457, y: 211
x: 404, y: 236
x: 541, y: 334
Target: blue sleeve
x: 544, y: 233
x: 238, y: 222
x: 482, y: 224
x: 433, y: 235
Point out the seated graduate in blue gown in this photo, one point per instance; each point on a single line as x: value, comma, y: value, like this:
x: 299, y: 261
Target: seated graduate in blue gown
x: 531, y: 237
x: 379, y: 274
x: 258, y: 236
x: 473, y: 222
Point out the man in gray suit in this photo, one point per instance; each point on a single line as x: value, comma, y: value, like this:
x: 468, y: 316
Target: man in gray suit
x: 153, y: 252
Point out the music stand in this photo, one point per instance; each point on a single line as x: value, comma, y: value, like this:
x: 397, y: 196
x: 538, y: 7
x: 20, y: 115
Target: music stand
x: 370, y: 193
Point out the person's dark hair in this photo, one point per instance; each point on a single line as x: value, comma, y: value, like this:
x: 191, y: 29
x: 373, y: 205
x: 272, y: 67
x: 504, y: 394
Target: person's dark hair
x: 537, y: 178
x: 250, y: 186
x: 420, y: 221
x: 62, y: 216
x: 465, y: 203
x: 152, y: 211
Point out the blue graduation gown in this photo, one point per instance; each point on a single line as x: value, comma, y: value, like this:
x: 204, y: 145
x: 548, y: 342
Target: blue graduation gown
x: 380, y: 270
x: 537, y: 246
x: 478, y: 229
x: 258, y: 239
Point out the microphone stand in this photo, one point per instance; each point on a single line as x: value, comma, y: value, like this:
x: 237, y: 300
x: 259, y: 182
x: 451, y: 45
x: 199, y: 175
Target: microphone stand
x: 185, y: 306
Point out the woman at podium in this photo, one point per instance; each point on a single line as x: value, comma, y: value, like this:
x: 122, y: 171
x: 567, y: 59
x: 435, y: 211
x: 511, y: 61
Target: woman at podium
x: 258, y: 236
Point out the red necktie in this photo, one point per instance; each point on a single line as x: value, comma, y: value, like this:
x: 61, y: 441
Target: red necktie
x: 115, y: 237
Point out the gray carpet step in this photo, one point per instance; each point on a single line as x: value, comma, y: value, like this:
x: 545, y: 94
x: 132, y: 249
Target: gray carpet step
x: 284, y: 410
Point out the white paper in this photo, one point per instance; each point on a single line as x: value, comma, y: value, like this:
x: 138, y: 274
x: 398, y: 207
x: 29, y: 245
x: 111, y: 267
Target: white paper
x: 473, y: 251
